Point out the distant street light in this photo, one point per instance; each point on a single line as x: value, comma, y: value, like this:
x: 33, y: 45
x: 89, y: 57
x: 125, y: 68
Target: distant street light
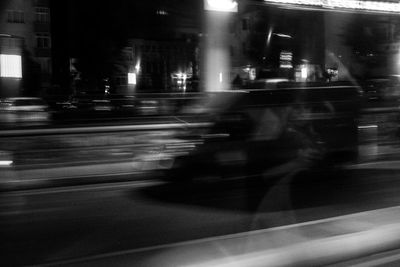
x: 221, y: 5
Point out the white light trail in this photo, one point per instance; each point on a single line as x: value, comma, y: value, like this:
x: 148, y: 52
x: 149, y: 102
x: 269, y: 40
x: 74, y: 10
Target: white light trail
x: 344, y: 4
x: 283, y: 35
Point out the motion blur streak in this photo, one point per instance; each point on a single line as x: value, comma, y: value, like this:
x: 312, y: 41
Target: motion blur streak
x: 217, y: 60
x: 345, y: 4
x: 316, y: 252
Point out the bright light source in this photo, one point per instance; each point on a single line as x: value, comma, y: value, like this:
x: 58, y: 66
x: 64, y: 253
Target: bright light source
x: 344, y: 4
x: 286, y: 56
x: 132, y: 78
x: 10, y: 66
x: 162, y: 12
x: 287, y: 66
x: 221, y: 5
x: 137, y: 67
x: 269, y: 36
x: 220, y: 77
x: 6, y: 162
x: 252, y: 74
x: 181, y: 75
x: 304, y: 72
x: 283, y: 35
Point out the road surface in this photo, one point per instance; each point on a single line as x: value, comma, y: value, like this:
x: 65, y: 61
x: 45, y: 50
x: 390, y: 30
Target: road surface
x: 58, y: 224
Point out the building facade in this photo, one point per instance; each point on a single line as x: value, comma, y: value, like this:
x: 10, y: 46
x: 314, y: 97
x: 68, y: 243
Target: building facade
x: 155, y: 65
x: 166, y: 57
x: 280, y: 41
x: 25, y: 34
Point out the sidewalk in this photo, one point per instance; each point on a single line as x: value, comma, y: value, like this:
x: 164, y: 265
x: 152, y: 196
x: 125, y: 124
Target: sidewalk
x: 314, y: 243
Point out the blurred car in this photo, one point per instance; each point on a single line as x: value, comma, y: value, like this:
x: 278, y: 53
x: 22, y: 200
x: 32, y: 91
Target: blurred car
x: 382, y: 88
x: 267, y: 79
x: 273, y: 132
x: 24, y: 109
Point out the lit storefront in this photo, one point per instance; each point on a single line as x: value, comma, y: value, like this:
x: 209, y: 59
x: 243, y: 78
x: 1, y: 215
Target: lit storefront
x: 11, y: 72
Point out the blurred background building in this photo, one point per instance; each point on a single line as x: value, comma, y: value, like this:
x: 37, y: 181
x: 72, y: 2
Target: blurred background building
x: 278, y: 41
x: 25, y: 43
x: 149, y: 46
x: 361, y: 46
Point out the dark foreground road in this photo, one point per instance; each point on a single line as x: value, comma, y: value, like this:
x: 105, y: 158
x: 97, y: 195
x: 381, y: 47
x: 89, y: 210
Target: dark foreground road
x: 53, y: 225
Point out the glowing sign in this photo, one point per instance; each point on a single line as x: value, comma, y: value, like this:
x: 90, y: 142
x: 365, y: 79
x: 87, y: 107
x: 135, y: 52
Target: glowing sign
x: 344, y: 4
x: 221, y: 5
x: 132, y: 78
x: 10, y: 66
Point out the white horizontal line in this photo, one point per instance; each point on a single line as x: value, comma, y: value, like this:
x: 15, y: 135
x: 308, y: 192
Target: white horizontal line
x: 302, y: 88
x: 74, y: 130
x: 367, y: 126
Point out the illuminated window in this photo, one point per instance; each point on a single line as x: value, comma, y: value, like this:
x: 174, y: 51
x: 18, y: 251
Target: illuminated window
x: 42, y: 15
x: 42, y: 40
x: 131, y: 78
x: 15, y: 16
x: 10, y: 66
x: 304, y: 72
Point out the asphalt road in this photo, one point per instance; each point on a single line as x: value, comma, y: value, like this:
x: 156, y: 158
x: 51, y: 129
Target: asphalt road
x: 52, y: 225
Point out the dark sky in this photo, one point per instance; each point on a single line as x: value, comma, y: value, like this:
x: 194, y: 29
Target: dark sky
x: 90, y: 30
x: 81, y: 23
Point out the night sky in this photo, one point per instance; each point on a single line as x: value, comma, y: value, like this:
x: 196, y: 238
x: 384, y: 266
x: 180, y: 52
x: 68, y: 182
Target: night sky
x: 91, y: 30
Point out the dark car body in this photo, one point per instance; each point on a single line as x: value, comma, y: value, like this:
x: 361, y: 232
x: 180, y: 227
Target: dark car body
x: 257, y: 131
x: 382, y: 88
